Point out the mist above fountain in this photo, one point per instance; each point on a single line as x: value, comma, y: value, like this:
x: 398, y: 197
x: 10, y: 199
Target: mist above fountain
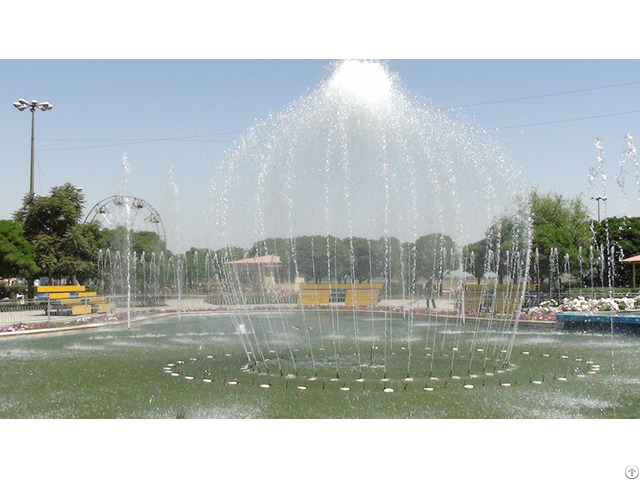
x: 358, y: 156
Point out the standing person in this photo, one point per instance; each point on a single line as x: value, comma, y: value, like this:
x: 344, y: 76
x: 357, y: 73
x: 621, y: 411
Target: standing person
x: 429, y: 292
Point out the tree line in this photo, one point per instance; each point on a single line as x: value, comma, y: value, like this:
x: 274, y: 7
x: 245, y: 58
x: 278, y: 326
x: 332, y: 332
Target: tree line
x: 47, y: 238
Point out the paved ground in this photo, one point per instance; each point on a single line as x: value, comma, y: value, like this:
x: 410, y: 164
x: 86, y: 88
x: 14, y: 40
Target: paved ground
x: 22, y: 316
x: 196, y: 303
x: 441, y: 303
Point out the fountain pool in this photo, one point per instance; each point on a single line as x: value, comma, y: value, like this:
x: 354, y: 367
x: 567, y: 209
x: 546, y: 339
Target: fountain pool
x: 626, y: 322
x: 197, y: 367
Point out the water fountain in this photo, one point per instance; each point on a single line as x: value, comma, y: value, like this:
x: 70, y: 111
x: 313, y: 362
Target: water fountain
x: 355, y: 191
x: 610, y: 314
x: 359, y: 158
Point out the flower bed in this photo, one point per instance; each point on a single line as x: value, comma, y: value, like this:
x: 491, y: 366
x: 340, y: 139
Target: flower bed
x: 25, y: 327
x: 22, y: 327
x: 583, y: 304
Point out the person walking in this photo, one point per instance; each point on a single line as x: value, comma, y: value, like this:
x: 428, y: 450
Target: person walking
x: 429, y: 292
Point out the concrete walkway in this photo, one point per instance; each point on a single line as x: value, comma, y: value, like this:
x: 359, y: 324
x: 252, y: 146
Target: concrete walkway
x: 197, y: 303
x: 23, y: 316
x: 443, y: 303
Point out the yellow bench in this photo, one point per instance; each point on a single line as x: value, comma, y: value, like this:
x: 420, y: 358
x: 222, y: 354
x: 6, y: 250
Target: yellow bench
x: 314, y: 294
x: 61, y: 288
x: 494, y: 298
x: 359, y: 294
x: 73, y: 300
x: 59, y: 295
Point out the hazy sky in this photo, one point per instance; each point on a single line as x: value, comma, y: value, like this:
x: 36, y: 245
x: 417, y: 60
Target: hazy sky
x: 181, y: 115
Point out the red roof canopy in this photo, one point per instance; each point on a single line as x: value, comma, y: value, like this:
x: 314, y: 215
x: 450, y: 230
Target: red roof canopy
x: 635, y: 259
x: 263, y: 260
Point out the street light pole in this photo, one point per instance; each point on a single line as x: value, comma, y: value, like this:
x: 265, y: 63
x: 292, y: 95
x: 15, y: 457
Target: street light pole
x: 21, y: 105
x: 597, y: 199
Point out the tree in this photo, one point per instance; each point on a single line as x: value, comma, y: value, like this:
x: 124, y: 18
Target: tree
x: 622, y: 235
x: 367, y: 262
x: 64, y: 247
x: 141, y: 242
x: 560, y: 231
x: 51, y: 215
x: 76, y: 252
x: 310, y: 260
x: 17, y: 255
x: 561, y: 224
x: 431, y: 252
x: 476, y: 253
x: 308, y: 253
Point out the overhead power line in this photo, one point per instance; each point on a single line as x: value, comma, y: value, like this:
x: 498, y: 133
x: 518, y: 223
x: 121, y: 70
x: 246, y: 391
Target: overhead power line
x: 568, y: 120
x: 198, y: 138
x: 121, y: 142
x: 531, y: 97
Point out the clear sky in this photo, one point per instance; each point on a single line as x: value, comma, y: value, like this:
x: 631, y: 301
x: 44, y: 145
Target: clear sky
x: 180, y: 115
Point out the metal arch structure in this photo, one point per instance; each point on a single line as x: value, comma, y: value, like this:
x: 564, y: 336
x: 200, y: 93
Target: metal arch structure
x: 112, y: 213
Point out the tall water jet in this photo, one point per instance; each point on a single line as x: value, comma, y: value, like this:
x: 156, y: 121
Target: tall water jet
x: 174, y: 196
x: 124, y: 188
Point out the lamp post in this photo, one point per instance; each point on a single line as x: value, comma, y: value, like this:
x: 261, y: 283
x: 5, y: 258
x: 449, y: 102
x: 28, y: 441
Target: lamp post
x: 21, y: 105
x: 597, y: 199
